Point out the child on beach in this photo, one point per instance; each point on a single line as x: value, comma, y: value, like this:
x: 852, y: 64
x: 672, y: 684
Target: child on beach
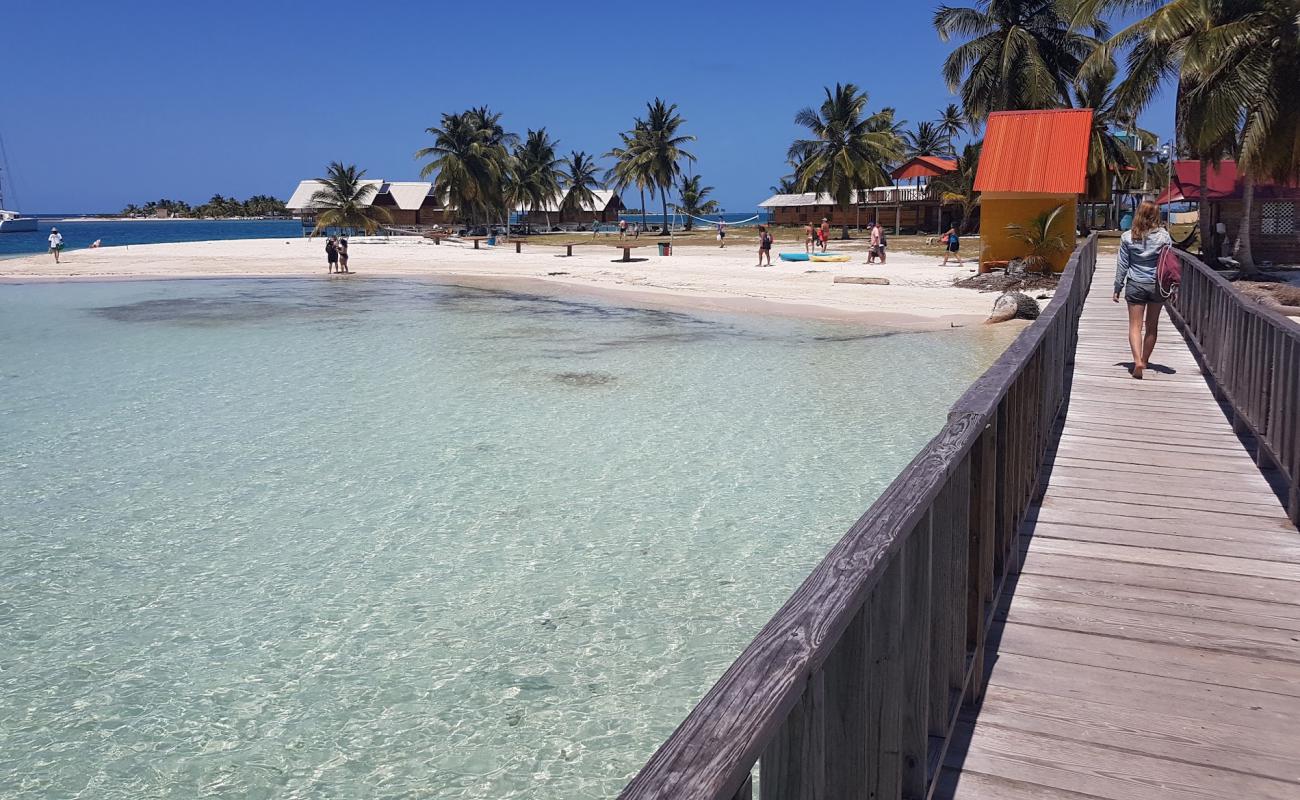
x: 331, y: 255
x: 56, y: 243
x: 764, y: 245
x: 952, y: 243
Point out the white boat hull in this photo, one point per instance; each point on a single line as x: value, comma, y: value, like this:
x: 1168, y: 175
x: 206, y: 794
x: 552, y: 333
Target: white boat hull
x: 17, y: 224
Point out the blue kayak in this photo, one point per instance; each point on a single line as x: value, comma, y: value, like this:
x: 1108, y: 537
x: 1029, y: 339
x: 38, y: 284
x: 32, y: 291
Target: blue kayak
x: 794, y: 256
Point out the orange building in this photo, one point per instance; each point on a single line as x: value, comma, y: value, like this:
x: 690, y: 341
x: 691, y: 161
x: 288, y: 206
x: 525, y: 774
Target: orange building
x: 1031, y: 163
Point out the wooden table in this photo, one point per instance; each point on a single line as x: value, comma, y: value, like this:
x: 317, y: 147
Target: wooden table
x: 627, y: 250
x: 519, y: 245
x: 476, y: 240
x: 436, y: 237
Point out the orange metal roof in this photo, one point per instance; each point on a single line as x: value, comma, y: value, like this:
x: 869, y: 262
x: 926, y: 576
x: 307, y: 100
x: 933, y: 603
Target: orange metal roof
x: 1044, y: 152
x: 925, y: 167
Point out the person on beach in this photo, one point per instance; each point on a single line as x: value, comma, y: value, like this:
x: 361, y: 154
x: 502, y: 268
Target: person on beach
x: 764, y: 245
x: 1135, y: 277
x: 881, y: 241
x: 622, y: 229
x: 343, y: 254
x: 722, y: 233
x: 951, y: 243
x: 823, y: 233
x: 331, y: 255
x: 873, y: 250
x: 808, y: 238
x: 56, y: 243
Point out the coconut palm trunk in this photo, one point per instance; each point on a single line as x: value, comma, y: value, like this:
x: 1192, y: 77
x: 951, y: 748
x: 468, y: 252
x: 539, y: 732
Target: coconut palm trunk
x: 1203, y: 212
x: 1244, y: 256
x: 664, y: 229
x: 643, y: 225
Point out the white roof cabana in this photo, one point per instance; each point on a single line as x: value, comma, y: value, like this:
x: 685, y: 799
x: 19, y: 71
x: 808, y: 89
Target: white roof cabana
x: 301, y: 198
x: 603, y: 197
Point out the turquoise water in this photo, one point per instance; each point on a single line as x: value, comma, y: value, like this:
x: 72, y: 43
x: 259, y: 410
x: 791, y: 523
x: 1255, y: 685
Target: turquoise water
x: 387, y: 539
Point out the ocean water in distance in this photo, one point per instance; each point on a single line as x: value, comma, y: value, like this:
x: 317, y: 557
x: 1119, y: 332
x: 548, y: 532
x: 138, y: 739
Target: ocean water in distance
x: 392, y: 539
x: 110, y: 233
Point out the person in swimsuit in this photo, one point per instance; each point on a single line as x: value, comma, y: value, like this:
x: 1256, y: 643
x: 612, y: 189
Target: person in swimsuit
x: 878, y: 236
x: 808, y: 238
x: 331, y: 255
x: 722, y: 233
x: 622, y: 229
x: 764, y: 245
x: 1135, y: 276
x: 823, y: 233
x: 343, y: 254
x: 953, y: 243
x: 874, y: 252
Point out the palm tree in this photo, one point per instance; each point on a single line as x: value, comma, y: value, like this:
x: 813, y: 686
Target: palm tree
x: 692, y: 199
x: 344, y: 201
x: 1019, y: 54
x: 662, y: 148
x: 1235, y: 65
x: 535, y: 177
x: 578, y: 177
x: 470, y: 158
x: 927, y: 140
x: 952, y: 123
x: 1043, y: 243
x: 958, y: 186
x: 1110, y: 154
x: 847, y: 151
x: 628, y: 169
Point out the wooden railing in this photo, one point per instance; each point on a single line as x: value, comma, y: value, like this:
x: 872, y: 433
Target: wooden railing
x: 852, y: 690
x: 1253, y: 356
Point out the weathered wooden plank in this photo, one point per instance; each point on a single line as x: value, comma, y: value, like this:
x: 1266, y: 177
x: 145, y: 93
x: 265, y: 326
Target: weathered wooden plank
x: 1229, y: 637
x: 1227, y: 669
x: 793, y: 766
x: 983, y: 540
x: 1222, y: 608
x: 1103, y: 772
x: 1159, y: 577
x: 1154, y: 483
x: 1087, y: 506
x: 968, y: 784
x: 884, y: 698
x: 1170, y: 558
x: 914, y: 731
x: 1232, y: 543
x: 1172, y: 733
x: 846, y: 690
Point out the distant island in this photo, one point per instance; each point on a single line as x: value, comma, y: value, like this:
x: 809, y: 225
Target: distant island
x: 259, y: 205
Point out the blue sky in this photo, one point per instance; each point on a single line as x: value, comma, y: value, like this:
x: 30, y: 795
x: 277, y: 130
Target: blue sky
x: 106, y: 103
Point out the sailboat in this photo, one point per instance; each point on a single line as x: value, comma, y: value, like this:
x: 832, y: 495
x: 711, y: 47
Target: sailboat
x: 12, y: 221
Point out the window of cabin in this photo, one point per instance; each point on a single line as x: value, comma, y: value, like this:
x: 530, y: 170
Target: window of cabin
x: 1277, y: 219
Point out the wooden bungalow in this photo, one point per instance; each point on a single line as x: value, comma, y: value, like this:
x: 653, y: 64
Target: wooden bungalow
x: 409, y: 203
x: 1274, y: 234
x: 1031, y: 162
x: 605, y: 208
x: 917, y: 207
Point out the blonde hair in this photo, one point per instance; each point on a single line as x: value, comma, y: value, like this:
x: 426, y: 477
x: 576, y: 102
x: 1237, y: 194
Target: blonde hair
x: 1145, y: 219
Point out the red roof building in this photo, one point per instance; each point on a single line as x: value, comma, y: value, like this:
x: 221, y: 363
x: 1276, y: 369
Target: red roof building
x: 1221, y: 183
x: 1038, y: 152
x: 1274, y: 213
x: 925, y: 167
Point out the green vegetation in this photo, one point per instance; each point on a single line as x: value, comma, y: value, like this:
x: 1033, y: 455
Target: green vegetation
x: 259, y: 205
x: 1043, y: 244
x: 580, y: 182
x: 848, y: 151
x: 693, y: 202
x: 344, y: 201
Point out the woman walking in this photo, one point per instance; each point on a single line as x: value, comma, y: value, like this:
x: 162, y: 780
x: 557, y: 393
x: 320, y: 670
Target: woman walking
x: 764, y: 245
x: 343, y: 254
x: 952, y: 243
x: 1135, y: 277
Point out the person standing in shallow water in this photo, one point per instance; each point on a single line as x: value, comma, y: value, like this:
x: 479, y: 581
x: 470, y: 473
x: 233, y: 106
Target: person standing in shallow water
x: 331, y: 255
x: 343, y: 254
x: 1135, y: 277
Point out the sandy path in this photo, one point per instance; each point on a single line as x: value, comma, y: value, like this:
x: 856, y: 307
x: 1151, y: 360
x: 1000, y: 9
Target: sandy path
x: 920, y: 291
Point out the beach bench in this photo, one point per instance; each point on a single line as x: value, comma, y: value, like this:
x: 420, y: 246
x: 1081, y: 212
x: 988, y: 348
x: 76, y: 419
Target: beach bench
x: 568, y: 248
x: 437, y: 237
x: 627, y: 249
x: 476, y: 240
x: 519, y: 245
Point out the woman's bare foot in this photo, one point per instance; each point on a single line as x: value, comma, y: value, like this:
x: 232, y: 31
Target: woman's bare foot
x: 1137, y: 370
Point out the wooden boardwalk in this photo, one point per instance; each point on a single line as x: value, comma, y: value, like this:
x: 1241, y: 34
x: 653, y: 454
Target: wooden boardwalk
x: 1150, y: 645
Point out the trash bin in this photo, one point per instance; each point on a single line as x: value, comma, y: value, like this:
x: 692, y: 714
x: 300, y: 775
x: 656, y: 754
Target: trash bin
x: 492, y: 241
x: 665, y: 249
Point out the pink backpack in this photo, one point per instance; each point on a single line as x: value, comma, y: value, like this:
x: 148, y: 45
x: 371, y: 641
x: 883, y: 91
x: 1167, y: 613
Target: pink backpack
x: 1169, y: 271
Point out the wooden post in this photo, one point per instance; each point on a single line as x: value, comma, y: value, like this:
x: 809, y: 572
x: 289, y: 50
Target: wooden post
x: 793, y: 765
x: 884, y: 686
x: 914, y: 724
x: 846, y: 687
x: 983, y: 535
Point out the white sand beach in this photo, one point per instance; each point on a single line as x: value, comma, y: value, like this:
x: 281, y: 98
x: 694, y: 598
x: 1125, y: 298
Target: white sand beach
x: 920, y: 291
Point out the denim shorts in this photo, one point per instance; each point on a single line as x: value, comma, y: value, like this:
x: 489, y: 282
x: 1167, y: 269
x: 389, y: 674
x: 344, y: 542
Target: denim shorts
x: 1141, y: 294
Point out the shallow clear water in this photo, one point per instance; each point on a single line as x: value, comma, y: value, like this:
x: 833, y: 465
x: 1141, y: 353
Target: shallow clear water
x: 111, y: 233
x: 385, y: 539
